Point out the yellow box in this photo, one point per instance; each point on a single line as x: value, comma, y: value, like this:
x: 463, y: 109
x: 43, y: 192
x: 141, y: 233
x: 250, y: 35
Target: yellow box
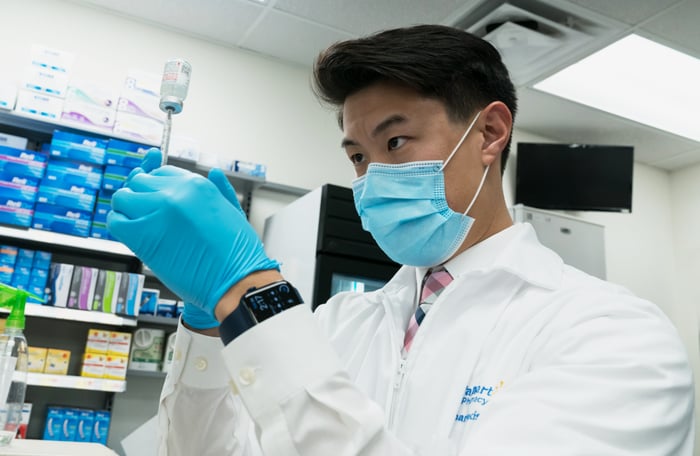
x: 37, y: 359
x: 93, y: 365
x: 115, y: 367
x: 97, y: 341
x: 119, y: 343
x: 57, y: 361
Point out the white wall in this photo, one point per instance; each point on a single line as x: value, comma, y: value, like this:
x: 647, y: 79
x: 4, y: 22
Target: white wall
x: 685, y: 204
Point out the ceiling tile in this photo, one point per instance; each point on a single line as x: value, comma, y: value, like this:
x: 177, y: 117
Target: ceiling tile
x: 680, y: 27
x: 627, y: 11
x: 366, y: 16
x: 219, y: 20
x: 291, y: 38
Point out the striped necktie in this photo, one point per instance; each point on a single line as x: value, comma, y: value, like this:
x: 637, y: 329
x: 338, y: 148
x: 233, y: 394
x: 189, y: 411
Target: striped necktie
x: 434, y: 282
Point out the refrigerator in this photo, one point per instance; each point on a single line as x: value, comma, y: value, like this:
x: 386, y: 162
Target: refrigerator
x: 579, y: 243
x: 322, y: 248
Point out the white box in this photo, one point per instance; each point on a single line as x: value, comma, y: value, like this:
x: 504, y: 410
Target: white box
x: 52, y: 59
x: 39, y: 105
x: 16, y: 142
x: 141, y: 103
x: 143, y: 81
x: 8, y: 95
x: 88, y: 114
x: 44, y: 80
x: 119, y: 343
x: 93, y: 94
x: 139, y: 128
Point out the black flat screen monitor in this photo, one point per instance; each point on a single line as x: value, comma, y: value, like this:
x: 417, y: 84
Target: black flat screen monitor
x: 574, y: 177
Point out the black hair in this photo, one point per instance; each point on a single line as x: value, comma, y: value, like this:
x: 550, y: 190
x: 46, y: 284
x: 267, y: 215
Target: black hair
x: 451, y: 65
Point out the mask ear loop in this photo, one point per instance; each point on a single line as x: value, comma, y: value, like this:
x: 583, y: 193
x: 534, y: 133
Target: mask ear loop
x: 478, y: 190
x: 459, y: 144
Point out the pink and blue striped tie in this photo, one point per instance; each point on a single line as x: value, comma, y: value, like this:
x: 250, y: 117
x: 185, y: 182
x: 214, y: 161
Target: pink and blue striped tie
x: 434, y: 282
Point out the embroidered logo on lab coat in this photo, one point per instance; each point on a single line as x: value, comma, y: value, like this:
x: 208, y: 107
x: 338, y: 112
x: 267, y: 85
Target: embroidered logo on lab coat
x: 475, y: 398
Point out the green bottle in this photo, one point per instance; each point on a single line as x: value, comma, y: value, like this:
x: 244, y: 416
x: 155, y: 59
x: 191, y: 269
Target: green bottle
x: 14, y: 358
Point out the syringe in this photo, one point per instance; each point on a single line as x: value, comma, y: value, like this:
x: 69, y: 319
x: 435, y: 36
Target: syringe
x: 173, y: 90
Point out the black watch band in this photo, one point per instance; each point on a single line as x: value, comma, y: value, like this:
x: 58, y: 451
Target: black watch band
x: 256, y: 306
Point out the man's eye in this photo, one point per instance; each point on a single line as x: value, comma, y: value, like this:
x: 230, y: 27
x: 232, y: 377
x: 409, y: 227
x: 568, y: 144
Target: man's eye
x: 396, y: 142
x: 356, y: 159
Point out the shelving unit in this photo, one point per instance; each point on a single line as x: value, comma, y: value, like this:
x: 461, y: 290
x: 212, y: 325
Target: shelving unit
x: 155, y: 320
x: 44, y: 328
x: 76, y: 382
x: 47, y: 126
x: 92, y: 245
x: 87, y: 316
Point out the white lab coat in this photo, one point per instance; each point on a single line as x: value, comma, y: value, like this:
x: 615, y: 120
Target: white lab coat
x: 520, y: 354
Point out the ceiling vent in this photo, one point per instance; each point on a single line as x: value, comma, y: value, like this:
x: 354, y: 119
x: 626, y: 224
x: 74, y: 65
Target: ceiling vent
x: 535, y: 38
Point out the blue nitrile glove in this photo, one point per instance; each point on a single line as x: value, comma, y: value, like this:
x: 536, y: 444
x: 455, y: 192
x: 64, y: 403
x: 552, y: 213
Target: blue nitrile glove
x: 181, y: 226
x: 198, y: 318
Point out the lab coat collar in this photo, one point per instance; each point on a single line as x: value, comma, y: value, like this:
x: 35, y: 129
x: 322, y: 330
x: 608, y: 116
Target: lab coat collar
x: 515, y: 250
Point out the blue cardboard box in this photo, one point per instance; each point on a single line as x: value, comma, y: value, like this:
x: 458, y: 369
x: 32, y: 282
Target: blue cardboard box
x: 125, y: 153
x: 82, y: 148
x: 19, y: 162
x: 62, y: 220
x: 29, y: 181
x: 78, y: 198
x: 101, y: 426
x: 99, y: 230
x: 86, y: 418
x: 18, y: 193
x: 25, y: 257
x: 114, y: 177
x: 17, y: 216
x: 53, y: 427
x: 67, y: 173
x: 42, y: 260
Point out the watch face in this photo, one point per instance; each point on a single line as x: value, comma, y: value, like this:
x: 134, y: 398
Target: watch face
x: 272, y: 299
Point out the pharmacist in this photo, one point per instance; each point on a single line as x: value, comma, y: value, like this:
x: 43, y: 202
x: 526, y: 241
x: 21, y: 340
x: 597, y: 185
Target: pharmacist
x: 483, y: 343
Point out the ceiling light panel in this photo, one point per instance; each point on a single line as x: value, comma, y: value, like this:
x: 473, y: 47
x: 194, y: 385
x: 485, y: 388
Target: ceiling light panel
x: 637, y: 79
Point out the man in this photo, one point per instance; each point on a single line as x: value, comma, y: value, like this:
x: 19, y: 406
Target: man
x: 484, y: 343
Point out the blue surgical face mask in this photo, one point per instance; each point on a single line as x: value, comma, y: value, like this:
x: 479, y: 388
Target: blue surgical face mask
x: 405, y: 209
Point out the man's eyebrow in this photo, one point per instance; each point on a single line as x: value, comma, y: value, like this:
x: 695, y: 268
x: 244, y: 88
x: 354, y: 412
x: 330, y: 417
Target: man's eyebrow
x: 383, y: 126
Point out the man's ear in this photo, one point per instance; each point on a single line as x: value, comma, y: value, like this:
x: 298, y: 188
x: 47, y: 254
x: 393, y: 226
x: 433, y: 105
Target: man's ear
x: 497, y: 123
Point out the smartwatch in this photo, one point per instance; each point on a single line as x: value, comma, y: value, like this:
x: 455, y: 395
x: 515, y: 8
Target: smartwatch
x: 256, y: 306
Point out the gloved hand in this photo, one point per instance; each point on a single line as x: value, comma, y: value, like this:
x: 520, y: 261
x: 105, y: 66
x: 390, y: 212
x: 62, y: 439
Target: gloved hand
x: 179, y: 224
x: 198, y: 318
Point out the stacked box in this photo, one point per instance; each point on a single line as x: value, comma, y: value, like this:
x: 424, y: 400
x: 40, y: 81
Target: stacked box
x: 41, y: 262
x: 8, y: 258
x: 45, y: 82
x: 8, y: 94
x: 89, y: 104
x: 93, y: 365
x: 125, y: 153
x: 68, y: 192
x: 20, y: 173
x: 99, y: 218
x: 138, y: 110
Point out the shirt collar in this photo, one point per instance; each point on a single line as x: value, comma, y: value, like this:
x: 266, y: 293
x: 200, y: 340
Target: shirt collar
x: 515, y: 250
